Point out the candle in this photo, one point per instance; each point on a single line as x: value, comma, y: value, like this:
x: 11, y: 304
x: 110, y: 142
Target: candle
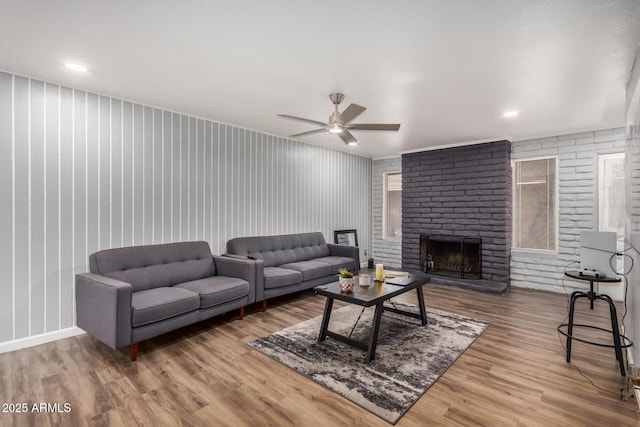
x: 363, y: 280
x: 379, y: 272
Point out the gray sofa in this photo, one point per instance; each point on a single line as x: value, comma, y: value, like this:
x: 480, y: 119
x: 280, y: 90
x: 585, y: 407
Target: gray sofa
x: 293, y: 262
x: 136, y: 293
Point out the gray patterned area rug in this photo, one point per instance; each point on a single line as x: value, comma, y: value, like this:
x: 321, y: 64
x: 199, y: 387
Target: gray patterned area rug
x: 409, y: 357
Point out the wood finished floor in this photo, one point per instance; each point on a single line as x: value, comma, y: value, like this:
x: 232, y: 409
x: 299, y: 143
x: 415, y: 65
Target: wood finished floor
x: 205, y: 375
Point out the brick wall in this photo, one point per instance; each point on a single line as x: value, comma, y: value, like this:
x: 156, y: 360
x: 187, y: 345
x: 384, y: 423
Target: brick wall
x: 386, y: 251
x: 461, y: 191
x: 578, y: 207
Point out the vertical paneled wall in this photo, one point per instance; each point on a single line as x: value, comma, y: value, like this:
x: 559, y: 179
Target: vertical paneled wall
x: 81, y: 172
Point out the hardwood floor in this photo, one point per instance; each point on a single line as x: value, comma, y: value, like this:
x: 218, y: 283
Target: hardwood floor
x: 514, y: 374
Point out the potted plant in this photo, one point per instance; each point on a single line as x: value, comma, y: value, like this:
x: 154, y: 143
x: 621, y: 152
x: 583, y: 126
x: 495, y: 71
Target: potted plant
x: 346, y: 279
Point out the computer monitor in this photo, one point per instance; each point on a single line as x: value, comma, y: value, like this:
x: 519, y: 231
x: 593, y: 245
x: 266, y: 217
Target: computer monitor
x: 596, y: 249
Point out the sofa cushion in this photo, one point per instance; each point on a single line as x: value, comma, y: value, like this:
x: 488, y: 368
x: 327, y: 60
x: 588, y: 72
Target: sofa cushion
x: 152, y: 266
x: 217, y: 289
x: 311, y: 269
x: 338, y: 262
x: 283, y: 249
x: 275, y: 277
x: 153, y: 305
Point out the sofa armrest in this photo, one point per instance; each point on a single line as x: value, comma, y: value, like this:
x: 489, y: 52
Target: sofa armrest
x: 103, y: 308
x: 259, y: 279
x: 241, y: 268
x: 347, y: 251
x: 237, y: 256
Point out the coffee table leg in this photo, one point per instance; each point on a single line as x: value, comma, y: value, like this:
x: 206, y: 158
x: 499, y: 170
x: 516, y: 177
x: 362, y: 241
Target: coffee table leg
x: 325, y: 319
x: 373, y: 335
x: 423, y: 311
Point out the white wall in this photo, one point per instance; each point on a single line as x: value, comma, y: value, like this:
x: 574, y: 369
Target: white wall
x: 386, y: 251
x: 577, y: 155
x: 632, y: 223
x: 81, y: 172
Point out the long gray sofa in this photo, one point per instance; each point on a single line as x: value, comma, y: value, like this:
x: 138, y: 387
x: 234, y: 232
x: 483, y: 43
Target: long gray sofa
x: 136, y: 293
x: 293, y: 262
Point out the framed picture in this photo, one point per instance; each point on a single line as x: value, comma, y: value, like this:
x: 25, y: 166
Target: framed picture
x: 346, y: 237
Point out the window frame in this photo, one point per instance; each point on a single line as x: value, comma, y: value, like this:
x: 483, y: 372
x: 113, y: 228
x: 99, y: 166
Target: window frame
x: 600, y: 157
x: 556, y: 210
x: 385, y: 191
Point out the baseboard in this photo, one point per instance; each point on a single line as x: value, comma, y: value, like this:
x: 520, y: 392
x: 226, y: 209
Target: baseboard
x: 21, y: 343
x: 636, y: 391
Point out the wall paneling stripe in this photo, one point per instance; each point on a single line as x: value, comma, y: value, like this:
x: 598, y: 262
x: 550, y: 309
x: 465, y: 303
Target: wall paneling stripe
x: 81, y: 172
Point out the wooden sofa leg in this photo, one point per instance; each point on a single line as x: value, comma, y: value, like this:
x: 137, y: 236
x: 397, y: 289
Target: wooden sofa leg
x: 241, y: 313
x: 263, y: 305
x: 134, y: 351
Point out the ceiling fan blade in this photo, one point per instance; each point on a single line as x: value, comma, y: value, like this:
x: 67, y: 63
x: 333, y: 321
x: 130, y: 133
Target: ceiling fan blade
x: 300, y: 119
x: 346, y: 136
x: 310, y: 132
x: 351, y: 112
x: 373, y: 126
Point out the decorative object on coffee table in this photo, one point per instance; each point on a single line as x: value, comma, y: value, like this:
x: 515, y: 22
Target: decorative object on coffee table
x: 364, y: 279
x: 390, y: 274
x: 379, y: 272
x: 346, y: 279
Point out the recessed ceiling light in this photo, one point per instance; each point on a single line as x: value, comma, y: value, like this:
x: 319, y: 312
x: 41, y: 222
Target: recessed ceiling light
x: 510, y: 114
x: 352, y: 143
x: 76, y: 67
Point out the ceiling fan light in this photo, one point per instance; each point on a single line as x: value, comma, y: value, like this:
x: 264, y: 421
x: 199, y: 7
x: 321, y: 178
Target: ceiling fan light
x: 335, y: 129
x: 352, y: 143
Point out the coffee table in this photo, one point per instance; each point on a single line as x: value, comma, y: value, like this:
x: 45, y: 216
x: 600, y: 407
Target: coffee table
x: 374, y: 295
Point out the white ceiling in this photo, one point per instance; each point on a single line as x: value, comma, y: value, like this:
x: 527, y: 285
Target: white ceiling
x: 445, y: 70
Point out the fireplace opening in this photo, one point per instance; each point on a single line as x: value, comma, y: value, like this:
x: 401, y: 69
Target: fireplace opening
x: 450, y: 256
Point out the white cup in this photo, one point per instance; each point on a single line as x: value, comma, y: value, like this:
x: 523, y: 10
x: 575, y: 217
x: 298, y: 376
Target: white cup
x: 364, y: 280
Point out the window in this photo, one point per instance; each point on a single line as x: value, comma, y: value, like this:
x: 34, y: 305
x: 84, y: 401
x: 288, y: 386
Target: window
x: 392, y: 206
x: 611, y: 201
x: 535, y: 204
x: 611, y: 198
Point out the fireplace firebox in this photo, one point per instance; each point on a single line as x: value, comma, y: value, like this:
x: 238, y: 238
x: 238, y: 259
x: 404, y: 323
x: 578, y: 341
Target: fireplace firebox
x: 451, y: 256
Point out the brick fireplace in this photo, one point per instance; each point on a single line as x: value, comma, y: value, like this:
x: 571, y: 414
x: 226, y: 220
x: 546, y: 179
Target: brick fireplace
x: 459, y: 257
x: 459, y: 193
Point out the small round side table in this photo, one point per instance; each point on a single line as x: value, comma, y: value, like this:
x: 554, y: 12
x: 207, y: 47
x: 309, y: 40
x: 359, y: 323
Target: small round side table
x: 619, y: 340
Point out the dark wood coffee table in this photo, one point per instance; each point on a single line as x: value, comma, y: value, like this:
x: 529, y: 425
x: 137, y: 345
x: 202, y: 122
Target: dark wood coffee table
x: 374, y: 295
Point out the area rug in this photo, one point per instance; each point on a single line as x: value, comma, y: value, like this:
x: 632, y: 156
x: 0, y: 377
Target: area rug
x: 409, y: 357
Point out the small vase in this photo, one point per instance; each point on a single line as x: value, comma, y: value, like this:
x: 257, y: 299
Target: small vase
x: 346, y: 284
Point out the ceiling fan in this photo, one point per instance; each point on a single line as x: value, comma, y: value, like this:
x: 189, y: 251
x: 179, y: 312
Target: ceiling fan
x: 340, y: 123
